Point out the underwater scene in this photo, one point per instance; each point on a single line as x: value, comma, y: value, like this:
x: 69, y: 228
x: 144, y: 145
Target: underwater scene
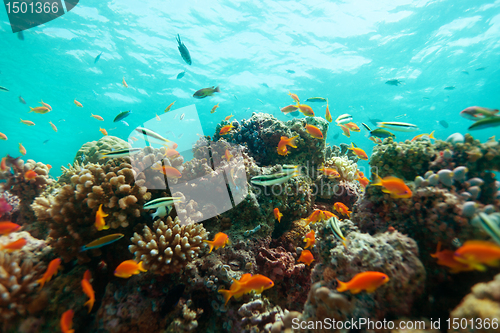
x: 250, y: 166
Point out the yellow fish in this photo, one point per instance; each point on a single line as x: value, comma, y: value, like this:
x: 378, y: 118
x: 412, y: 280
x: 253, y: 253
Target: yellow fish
x: 27, y: 122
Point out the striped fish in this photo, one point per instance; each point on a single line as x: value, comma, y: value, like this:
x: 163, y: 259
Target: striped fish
x: 120, y: 153
x: 100, y: 242
x: 343, y: 118
x: 274, y: 179
x: 152, y: 134
x: 490, y: 223
x: 397, y: 126
x: 160, y: 202
x: 333, y: 223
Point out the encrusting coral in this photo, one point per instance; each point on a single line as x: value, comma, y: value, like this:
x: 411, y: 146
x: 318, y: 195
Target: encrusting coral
x: 169, y: 246
x: 71, y: 209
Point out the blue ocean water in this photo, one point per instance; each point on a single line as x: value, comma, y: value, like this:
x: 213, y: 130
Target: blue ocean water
x: 257, y: 52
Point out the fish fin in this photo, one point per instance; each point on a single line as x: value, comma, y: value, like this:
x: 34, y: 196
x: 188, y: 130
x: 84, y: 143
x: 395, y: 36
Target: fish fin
x: 431, y: 136
x: 141, y: 268
x: 90, y: 303
x: 227, y: 295
x: 342, y: 286
x: 378, y: 180
x: 217, y: 89
x: 387, y: 191
x: 355, y: 291
x: 210, y: 243
x: 371, y: 290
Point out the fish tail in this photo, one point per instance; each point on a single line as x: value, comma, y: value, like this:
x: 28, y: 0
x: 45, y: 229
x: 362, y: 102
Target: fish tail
x: 227, y: 295
x: 210, y: 243
x: 90, y: 303
x: 41, y: 282
x: 431, y: 136
x: 342, y: 286
x: 293, y: 142
x: 378, y: 180
x: 140, y: 267
x: 217, y: 89
x: 105, y: 227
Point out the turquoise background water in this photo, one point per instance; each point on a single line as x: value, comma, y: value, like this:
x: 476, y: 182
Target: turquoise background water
x: 256, y: 51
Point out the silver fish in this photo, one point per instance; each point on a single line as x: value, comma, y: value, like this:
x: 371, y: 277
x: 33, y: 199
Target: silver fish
x: 343, y: 118
x: 274, y: 179
x: 333, y: 223
x: 397, y: 126
x: 120, y: 153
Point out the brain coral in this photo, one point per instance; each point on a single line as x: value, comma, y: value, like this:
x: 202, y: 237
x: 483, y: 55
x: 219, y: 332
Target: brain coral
x: 70, y: 210
x: 169, y: 246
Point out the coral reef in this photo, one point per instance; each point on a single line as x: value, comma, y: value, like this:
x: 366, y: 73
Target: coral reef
x: 70, y: 210
x: 481, y: 306
x: 89, y: 152
x: 169, y: 247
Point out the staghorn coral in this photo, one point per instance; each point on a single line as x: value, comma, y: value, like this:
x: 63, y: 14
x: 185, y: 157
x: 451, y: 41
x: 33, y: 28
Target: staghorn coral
x: 89, y: 152
x: 70, y: 210
x: 169, y: 247
x: 481, y: 305
x: 18, y: 278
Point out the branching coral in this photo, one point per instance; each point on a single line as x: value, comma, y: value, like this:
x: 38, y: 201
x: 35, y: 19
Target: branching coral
x: 70, y: 210
x: 169, y: 247
x: 17, y: 284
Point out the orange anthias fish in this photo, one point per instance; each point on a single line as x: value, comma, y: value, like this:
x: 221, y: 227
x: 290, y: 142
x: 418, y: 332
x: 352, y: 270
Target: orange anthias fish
x: 326, y: 215
x: 284, y: 142
x: 100, y: 224
x: 352, y: 126
x: 128, y: 268
x: 246, y: 284
x: 294, y: 97
x: 306, y: 257
x: 228, y: 117
x: 228, y: 155
x: 7, y: 227
x: 30, y: 174
x: 395, y: 186
x: 169, y: 106
x: 15, y: 245
x: 88, y: 290
x: 345, y: 130
x: 368, y: 281
x: 289, y: 108
x: 67, y: 322
x: 27, y: 122
x: 3, y: 136
x: 97, y: 117
x: 375, y: 139
x: 40, y: 109
x: 277, y: 214
x: 54, y: 266
x: 329, y: 172
x: 214, y: 108
x: 306, y: 110
x: 168, y: 171
x: 220, y: 240
x: 78, y: 103
x: 158, y: 117
x: 328, y: 115
x: 477, y: 253
x: 359, y: 152
x: 314, y: 131
x: 342, y: 209
x: 447, y: 258
x: 87, y: 276
x: 22, y: 150
x: 46, y: 105
x: 310, y: 239
x: 314, y: 217
x: 53, y: 126
x: 360, y: 177
x: 226, y: 129
x: 169, y: 152
x: 124, y: 83
x: 103, y: 131
x: 424, y: 136
x: 3, y: 164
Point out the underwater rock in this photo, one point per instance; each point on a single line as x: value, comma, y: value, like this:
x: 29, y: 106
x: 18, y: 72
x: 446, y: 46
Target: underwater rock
x: 89, y: 152
x: 168, y: 247
x: 456, y: 138
x: 483, y: 304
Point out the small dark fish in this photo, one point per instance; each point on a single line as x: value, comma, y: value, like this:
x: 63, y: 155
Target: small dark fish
x: 425, y: 98
x: 180, y: 136
x: 336, y: 135
x: 181, y: 75
x: 449, y: 88
x: 465, y: 72
x: 121, y: 116
x: 290, y: 71
x: 205, y: 92
x: 182, y: 116
x: 4, y: 89
x: 374, y: 121
x: 480, y: 69
x: 98, y: 57
x: 394, y: 82
x: 294, y: 114
x: 45, y: 141
x: 443, y: 123
x: 265, y: 85
x: 22, y: 100
x: 183, y: 50
x: 20, y: 35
